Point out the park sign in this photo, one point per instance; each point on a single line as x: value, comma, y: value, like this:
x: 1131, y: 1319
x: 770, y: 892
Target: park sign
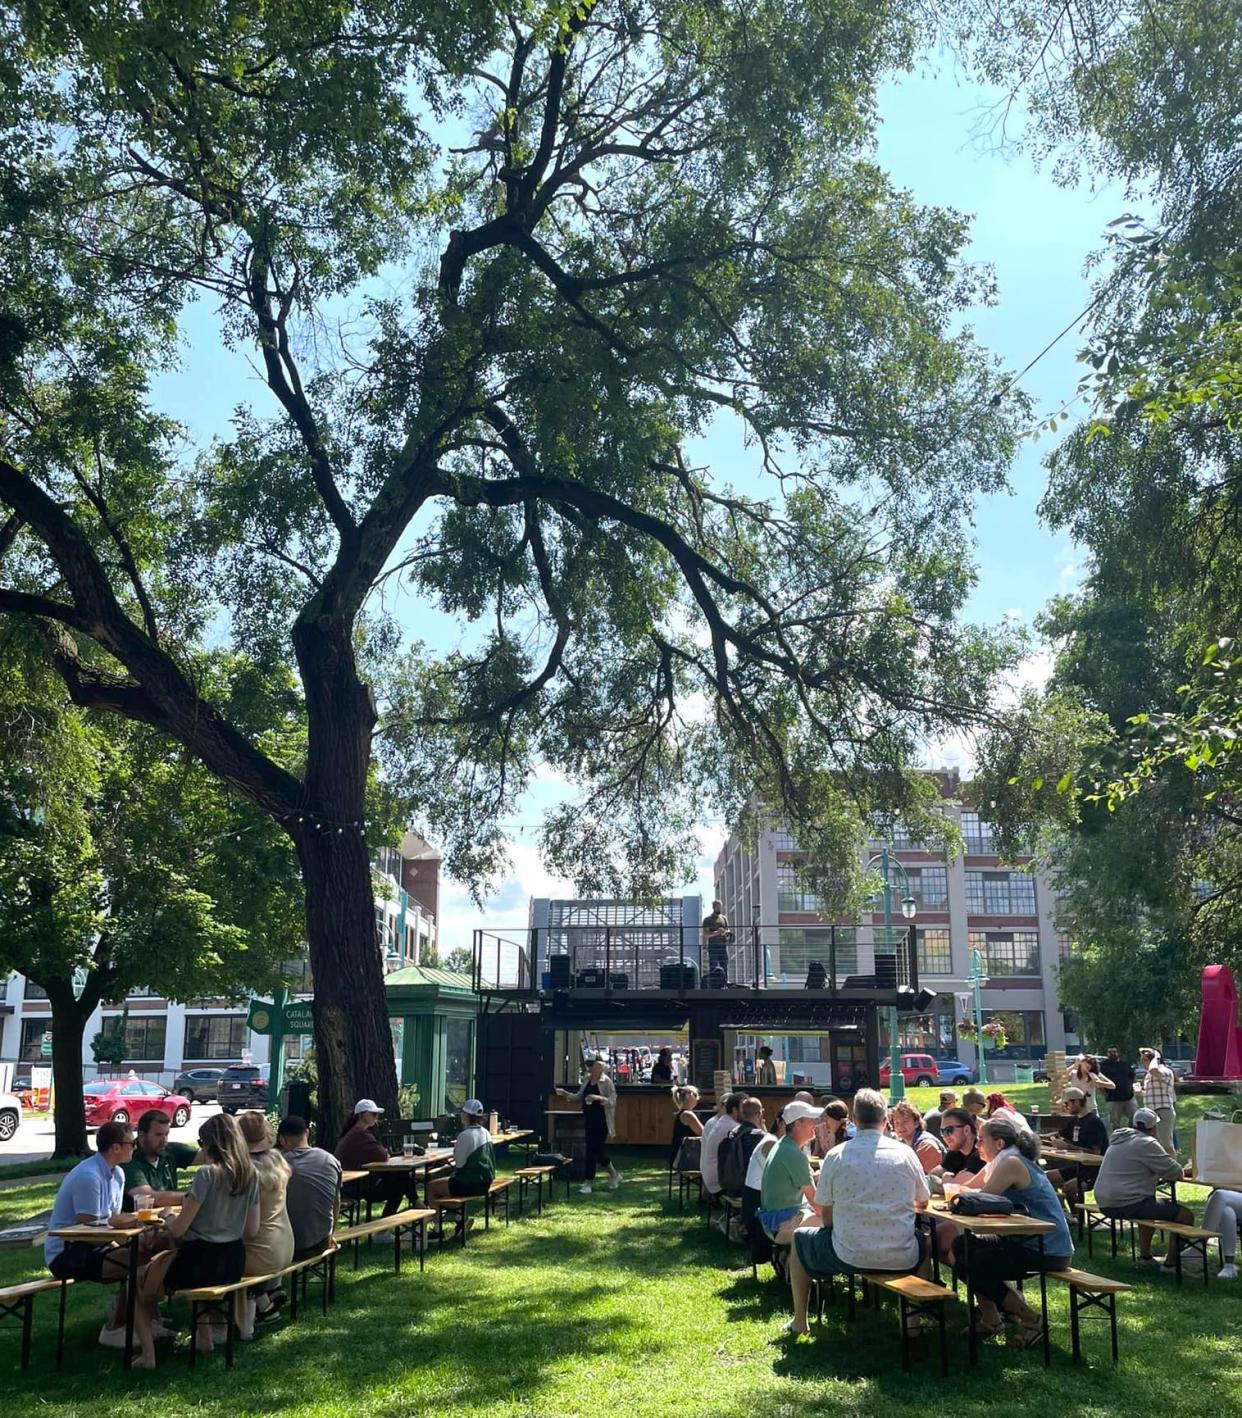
x: 267, y: 1017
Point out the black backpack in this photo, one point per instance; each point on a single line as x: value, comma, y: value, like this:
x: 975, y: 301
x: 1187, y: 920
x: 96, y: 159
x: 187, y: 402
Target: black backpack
x: 731, y: 1163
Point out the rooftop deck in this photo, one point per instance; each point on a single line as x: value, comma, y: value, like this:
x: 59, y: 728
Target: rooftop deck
x: 668, y: 962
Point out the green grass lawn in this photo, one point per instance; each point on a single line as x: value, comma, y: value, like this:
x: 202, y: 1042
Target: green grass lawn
x: 614, y: 1305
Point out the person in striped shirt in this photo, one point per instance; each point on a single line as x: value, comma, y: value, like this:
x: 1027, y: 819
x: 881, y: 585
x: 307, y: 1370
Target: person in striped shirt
x: 1160, y: 1095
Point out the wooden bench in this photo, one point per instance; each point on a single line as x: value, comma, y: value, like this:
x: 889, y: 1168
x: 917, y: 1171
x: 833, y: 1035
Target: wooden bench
x: 685, y: 1182
x: 413, y: 1219
x: 533, y: 1176
x: 1090, y: 1292
x: 916, y: 1297
x: 223, y: 1298
x: 17, y: 1302
x: 461, y: 1204
x: 1091, y: 1219
x: 1192, y: 1238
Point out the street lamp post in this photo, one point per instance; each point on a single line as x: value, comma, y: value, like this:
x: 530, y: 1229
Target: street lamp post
x: 909, y: 908
x: 976, y: 980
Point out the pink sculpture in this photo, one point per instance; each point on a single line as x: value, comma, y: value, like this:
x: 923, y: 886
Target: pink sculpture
x: 1219, y: 1054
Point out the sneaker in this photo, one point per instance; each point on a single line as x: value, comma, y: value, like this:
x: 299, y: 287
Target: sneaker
x: 115, y: 1338
x: 614, y: 1180
x: 584, y: 1189
x: 1149, y: 1261
x: 1227, y: 1272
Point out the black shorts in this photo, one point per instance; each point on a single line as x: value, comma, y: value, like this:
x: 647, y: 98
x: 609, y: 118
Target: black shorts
x: 78, y: 1261
x: 459, y: 1188
x: 202, y: 1263
x: 1147, y: 1208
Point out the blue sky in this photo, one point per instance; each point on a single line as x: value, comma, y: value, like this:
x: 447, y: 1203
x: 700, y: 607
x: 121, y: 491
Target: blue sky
x: 1035, y: 235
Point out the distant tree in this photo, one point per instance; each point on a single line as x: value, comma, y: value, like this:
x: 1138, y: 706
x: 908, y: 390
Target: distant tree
x: 122, y: 858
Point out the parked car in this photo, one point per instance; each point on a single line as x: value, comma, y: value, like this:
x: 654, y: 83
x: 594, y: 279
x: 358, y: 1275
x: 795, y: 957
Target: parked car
x: 124, y: 1100
x: 918, y: 1070
x: 25, y: 1091
x: 950, y: 1071
x: 243, y: 1086
x: 10, y: 1115
x: 198, y: 1084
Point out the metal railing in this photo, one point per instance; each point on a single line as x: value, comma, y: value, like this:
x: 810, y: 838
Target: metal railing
x: 616, y: 958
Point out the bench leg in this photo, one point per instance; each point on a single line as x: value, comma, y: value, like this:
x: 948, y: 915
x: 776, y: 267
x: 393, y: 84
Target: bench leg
x: 60, y: 1327
x: 293, y: 1297
x: 332, y: 1276
x: 1043, y: 1313
x: 944, y: 1341
x: 194, y: 1313
x: 229, y: 1328
x: 1075, y: 1339
x: 849, y: 1285
x: 904, y: 1311
x: 1112, y: 1324
x: 27, y: 1329
x: 422, y: 1245
x: 396, y: 1250
x: 464, y: 1214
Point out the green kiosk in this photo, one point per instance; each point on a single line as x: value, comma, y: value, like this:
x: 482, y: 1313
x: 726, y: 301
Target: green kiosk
x: 433, y: 1014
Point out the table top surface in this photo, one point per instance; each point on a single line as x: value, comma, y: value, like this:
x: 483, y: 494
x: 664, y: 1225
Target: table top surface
x: 352, y: 1176
x: 513, y: 1134
x: 412, y: 1164
x: 1068, y: 1154
x: 102, y: 1235
x: 993, y: 1225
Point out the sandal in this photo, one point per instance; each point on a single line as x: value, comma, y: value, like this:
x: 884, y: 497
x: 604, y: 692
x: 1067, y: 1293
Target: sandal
x: 1028, y: 1335
x: 985, y: 1330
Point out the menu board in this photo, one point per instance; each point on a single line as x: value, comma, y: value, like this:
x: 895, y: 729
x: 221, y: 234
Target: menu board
x: 704, y: 1061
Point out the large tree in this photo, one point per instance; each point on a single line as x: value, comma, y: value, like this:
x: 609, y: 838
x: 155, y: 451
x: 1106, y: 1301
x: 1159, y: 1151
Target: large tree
x: 1129, y: 760
x: 500, y: 266
x: 124, y: 861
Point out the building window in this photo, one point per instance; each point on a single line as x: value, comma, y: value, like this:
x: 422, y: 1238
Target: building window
x: 935, y: 951
x: 783, y: 840
x: 977, y: 834
x: 1066, y: 946
x: 458, y: 1040
x: 33, y: 991
x: 792, y: 892
x: 1000, y: 893
x: 33, y: 1031
x: 801, y: 946
x: 297, y: 977
x: 214, y: 1036
x: 929, y: 886
x: 144, y: 1037
x: 1008, y: 952
x: 1024, y: 1033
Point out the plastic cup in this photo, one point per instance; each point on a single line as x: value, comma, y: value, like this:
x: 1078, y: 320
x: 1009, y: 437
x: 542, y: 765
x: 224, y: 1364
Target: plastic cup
x: 407, y: 1146
x: 952, y: 1189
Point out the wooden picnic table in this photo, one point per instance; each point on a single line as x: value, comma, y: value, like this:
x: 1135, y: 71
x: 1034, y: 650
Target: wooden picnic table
x: 412, y: 1164
x: 1069, y: 1154
x: 352, y: 1177
x: 102, y: 1236
x: 1014, y: 1225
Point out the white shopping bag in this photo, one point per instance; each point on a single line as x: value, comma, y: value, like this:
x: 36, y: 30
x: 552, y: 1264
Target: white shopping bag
x: 1218, y: 1153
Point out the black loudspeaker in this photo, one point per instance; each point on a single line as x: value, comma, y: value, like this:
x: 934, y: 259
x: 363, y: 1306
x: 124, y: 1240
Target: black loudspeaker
x: 714, y: 979
x: 816, y: 976
x: 886, y: 972
x: 674, y: 975
x: 593, y: 978
x: 619, y: 980
x: 558, y: 972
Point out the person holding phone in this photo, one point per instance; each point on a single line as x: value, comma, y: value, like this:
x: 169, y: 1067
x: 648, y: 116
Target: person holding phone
x: 598, y: 1097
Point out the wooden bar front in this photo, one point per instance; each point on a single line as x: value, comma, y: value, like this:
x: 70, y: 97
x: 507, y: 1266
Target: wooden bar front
x: 645, y: 1115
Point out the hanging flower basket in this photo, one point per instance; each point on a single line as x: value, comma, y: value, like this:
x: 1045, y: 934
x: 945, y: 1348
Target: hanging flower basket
x: 993, y: 1033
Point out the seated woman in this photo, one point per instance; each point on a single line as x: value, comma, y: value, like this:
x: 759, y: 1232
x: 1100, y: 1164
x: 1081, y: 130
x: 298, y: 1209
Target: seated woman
x: 474, y: 1159
x: 686, y: 1122
x: 1013, y: 1171
x: 834, y: 1127
x: 220, y: 1210
x: 908, y: 1128
x: 271, y: 1248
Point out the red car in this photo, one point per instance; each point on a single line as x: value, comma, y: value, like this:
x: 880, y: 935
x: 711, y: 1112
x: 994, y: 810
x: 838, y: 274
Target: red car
x: 124, y: 1100
x: 919, y: 1070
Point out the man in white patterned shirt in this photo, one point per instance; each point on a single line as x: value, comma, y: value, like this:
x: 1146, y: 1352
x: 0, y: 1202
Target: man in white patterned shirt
x: 1160, y: 1095
x: 870, y: 1191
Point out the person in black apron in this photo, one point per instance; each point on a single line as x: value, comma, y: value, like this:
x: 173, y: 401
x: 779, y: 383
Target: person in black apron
x: 598, y: 1097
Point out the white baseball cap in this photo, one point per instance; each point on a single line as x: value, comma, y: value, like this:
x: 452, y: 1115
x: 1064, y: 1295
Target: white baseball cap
x: 366, y: 1105
x: 797, y: 1109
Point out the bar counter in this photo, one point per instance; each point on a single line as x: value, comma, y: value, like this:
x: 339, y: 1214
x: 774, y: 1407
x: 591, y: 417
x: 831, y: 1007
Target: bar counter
x: 645, y: 1114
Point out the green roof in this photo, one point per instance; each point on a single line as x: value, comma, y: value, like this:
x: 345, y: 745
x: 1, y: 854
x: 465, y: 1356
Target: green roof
x: 413, y: 976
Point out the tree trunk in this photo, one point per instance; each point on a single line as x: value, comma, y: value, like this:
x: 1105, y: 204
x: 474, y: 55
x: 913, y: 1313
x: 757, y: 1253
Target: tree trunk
x: 68, y: 1021
x: 353, y: 1039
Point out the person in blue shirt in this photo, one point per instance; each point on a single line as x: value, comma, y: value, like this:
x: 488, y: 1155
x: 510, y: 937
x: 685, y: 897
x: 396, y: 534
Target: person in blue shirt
x: 91, y: 1195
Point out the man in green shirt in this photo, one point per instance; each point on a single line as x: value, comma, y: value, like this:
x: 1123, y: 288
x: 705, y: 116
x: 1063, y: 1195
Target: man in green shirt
x: 153, y: 1169
x: 788, y: 1187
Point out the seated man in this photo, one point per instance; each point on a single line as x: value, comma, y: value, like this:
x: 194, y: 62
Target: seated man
x: 92, y: 1193
x: 714, y: 1133
x: 959, y: 1131
x: 313, y: 1197
x: 1084, y: 1131
x: 787, y: 1187
x: 151, y: 1173
x: 931, y: 1119
x: 870, y: 1191
x: 1125, y: 1187
x: 474, y: 1159
x: 359, y: 1147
